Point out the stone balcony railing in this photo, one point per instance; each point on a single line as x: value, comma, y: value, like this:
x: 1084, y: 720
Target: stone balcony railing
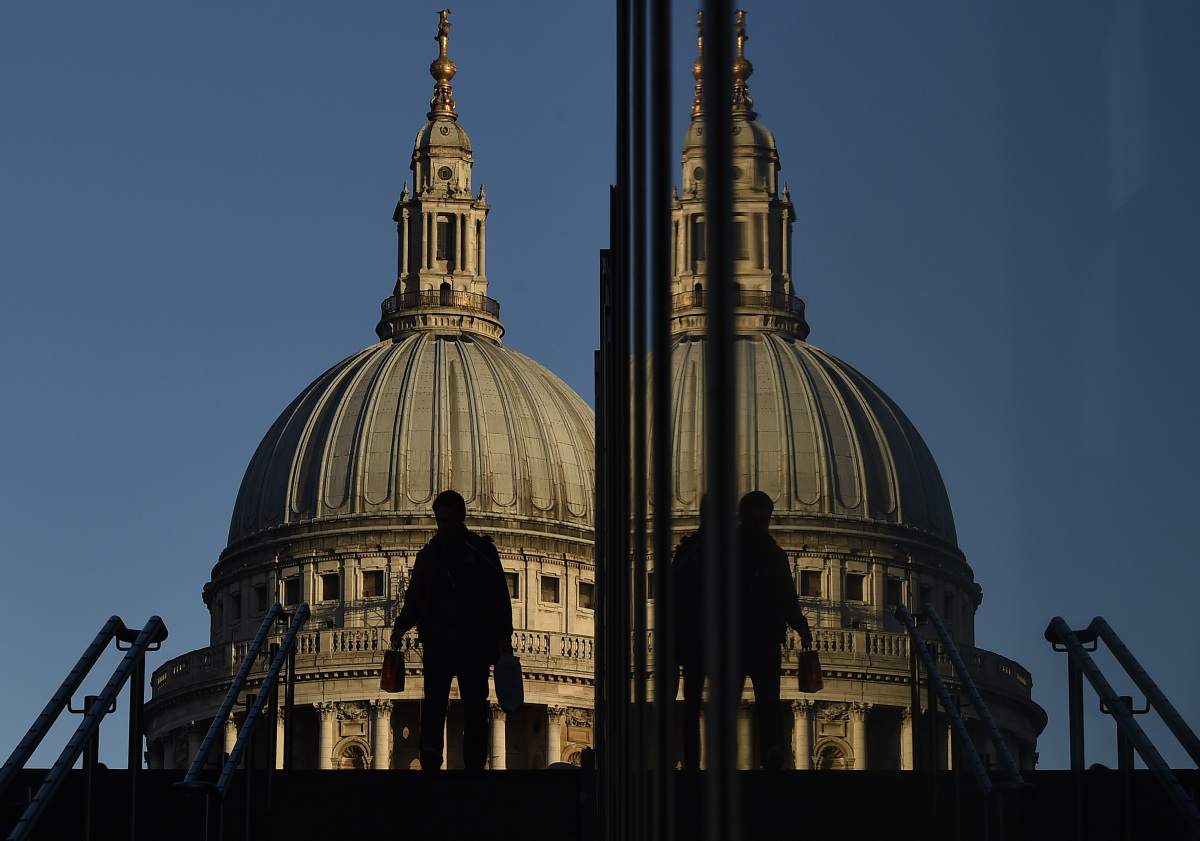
x: 439, y: 298
x: 746, y: 298
x: 353, y: 649
x: 757, y: 309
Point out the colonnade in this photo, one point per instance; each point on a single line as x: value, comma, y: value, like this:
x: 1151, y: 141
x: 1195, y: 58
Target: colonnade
x: 469, y: 241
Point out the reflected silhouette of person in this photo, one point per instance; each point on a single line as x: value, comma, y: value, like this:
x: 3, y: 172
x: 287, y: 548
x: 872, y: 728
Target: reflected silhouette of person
x: 458, y: 600
x: 769, y: 605
x: 687, y: 575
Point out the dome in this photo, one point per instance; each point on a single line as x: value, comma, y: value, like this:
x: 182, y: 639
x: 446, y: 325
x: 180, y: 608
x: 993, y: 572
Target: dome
x: 813, y: 433
x: 441, y: 136
x: 748, y: 135
x: 382, y: 432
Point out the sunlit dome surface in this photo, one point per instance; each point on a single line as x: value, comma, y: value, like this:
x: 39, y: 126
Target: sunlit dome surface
x: 385, y: 430
x: 816, y: 435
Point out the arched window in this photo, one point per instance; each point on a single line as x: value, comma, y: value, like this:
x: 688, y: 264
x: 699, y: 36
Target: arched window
x: 353, y: 757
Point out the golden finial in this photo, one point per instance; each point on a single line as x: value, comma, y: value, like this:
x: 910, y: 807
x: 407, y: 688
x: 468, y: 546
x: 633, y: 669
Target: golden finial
x: 442, y: 70
x: 742, y: 103
x: 698, y: 68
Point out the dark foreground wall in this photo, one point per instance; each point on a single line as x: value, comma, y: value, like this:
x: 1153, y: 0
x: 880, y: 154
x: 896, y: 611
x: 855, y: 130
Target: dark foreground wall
x: 534, y: 805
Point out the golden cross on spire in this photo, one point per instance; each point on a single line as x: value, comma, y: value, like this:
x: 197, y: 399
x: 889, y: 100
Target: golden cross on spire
x: 442, y: 70
x: 698, y: 68
x: 742, y: 103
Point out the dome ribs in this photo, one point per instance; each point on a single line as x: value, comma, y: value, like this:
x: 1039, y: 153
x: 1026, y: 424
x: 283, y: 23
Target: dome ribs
x: 461, y: 467
x: 878, y: 473
x: 344, y: 447
x: 304, y: 494
x: 380, y: 460
x: 418, y: 433
x: 842, y: 453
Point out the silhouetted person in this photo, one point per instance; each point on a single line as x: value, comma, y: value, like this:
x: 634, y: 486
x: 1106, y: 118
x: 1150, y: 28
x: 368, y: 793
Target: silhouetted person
x: 687, y: 575
x: 769, y: 605
x: 458, y: 600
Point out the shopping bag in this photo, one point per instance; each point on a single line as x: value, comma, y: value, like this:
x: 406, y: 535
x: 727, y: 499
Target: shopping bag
x: 809, y: 671
x: 391, y: 676
x: 510, y: 691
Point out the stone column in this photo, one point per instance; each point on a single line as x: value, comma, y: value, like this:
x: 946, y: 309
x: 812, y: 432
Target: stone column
x: 230, y: 732
x: 194, y: 738
x: 949, y: 747
x: 402, y: 269
x: 483, y: 251
x: 462, y: 242
x: 499, y: 742
x: 858, y: 727
x: 381, y: 733
x: 327, y: 714
x: 280, y: 730
x: 554, y: 723
x: 907, y: 762
x: 802, y: 711
x: 745, y: 736
x: 430, y: 248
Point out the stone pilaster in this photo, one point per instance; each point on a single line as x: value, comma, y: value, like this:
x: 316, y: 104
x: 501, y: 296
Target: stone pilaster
x: 554, y: 728
x: 230, y: 732
x: 907, y: 763
x: 327, y: 713
x: 381, y: 733
x: 499, y: 740
x: 858, y: 734
x: 745, y: 736
x: 802, y: 733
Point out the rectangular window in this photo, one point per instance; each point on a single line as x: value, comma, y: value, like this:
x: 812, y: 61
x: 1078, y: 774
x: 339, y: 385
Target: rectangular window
x: 445, y: 239
x: 550, y: 591
x: 741, y: 244
x: 698, y: 246
x: 855, y: 587
x: 810, y: 583
x: 329, y: 587
x: 926, y: 597
x: 948, y: 607
x: 514, y: 584
x: 291, y: 591
x: 650, y: 584
x: 235, y: 606
x: 373, y: 584
x: 895, y: 591
x: 587, y: 595
x: 260, y: 598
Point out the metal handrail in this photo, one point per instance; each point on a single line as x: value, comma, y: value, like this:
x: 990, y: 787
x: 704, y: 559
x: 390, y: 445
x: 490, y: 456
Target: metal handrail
x: 151, y: 635
x: 58, y: 702
x: 1060, y: 635
x: 1011, y: 772
x: 1166, y: 710
x: 264, y: 694
x: 960, y: 728
x: 235, y: 688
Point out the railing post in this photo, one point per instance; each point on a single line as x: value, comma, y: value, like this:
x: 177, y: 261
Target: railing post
x: 137, y: 700
x: 1075, y: 712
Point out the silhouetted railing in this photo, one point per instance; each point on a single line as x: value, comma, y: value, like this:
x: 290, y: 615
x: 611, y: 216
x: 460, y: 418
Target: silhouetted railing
x: 440, y: 298
x: 1131, y: 735
x: 746, y: 298
x: 935, y: 680
x: 132, y: 669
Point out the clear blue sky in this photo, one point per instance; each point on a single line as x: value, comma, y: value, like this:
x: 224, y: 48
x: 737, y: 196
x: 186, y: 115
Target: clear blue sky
x: 998, y: 224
